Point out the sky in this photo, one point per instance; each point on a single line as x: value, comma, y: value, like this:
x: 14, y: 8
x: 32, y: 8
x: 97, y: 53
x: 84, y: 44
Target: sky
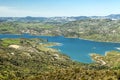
x: 52, y: 8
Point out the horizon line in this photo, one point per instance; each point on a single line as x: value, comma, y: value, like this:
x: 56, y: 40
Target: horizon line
x: 62, y: 16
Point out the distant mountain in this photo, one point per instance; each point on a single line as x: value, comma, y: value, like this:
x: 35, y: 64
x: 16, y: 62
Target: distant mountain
x: 57, y: 19
x: 113, y: 16
x: 42, y: 19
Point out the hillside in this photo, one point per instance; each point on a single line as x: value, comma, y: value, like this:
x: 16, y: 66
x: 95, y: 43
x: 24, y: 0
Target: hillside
x: 105, y: 30
x: 20, y: 58
x: 93, y: 29
x: 31, y: 59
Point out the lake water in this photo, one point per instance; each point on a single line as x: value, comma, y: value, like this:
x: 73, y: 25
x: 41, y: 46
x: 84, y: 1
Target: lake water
x: 77, y: 49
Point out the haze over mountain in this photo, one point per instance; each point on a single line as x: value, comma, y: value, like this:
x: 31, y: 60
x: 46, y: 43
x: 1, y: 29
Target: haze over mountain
x: 58, y: 19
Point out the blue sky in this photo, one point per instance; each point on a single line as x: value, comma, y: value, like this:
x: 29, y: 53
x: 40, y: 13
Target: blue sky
x: 50, y: 8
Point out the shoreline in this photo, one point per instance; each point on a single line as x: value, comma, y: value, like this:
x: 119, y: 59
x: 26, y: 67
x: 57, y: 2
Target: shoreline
x: 63, y: 36
x: 51, y: 44
x: 98, y: 41
x: 91, y: 40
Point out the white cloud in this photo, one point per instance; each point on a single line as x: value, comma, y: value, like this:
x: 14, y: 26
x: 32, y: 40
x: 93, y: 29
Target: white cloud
x: 6, y: 11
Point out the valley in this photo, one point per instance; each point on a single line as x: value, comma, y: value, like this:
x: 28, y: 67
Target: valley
x: 30, y: 48
x: 99, y: 29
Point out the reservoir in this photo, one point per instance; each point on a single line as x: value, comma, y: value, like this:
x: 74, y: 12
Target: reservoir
x: 77, y: 49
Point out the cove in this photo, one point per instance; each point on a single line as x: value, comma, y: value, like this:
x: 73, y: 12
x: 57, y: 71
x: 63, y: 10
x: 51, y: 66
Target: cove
x: 77, y: 49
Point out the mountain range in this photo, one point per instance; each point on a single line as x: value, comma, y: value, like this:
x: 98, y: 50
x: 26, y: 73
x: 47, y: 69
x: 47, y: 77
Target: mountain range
x: 62, y: 19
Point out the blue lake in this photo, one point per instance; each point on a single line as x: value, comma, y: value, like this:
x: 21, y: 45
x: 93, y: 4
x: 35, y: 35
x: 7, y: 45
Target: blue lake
x: 77, y: 49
